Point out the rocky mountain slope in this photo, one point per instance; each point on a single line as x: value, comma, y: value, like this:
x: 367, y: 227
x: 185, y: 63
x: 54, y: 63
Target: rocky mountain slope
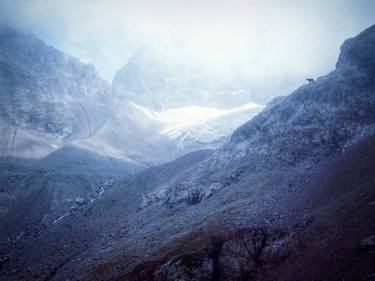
x: 53, y: 103
x: 45, y: 94
x: 50, y: 100
x: 290, y: 197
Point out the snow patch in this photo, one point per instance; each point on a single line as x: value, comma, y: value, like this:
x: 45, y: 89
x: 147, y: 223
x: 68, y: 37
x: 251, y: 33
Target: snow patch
x: 194, y: 126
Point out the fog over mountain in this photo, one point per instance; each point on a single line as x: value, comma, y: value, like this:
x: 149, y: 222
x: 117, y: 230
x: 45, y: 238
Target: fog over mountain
x: 250, y: 37
x: 53, y: 103
x: 51, y: 100
x: 158, y: 80
x: 202, y: 159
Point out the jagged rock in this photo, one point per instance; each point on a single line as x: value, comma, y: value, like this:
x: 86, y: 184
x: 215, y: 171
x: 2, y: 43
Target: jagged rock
x: 240, y: 256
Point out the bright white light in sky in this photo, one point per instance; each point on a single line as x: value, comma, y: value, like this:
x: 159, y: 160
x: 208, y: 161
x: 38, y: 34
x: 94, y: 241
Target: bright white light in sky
x: 253, y: 37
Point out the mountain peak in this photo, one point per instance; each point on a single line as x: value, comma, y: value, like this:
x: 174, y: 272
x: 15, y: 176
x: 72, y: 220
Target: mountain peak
x: 27, y: 50
x: 358, y: 51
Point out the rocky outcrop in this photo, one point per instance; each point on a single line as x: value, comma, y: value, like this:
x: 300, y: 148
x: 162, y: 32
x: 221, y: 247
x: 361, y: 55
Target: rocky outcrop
x: 358, y: 51
x: 46, y: 90
x: 242, y: 256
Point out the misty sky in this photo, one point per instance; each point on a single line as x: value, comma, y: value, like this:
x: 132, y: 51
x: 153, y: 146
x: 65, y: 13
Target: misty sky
x: 258, y: 37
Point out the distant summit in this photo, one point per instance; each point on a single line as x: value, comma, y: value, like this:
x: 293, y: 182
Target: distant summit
x: 160, y: 81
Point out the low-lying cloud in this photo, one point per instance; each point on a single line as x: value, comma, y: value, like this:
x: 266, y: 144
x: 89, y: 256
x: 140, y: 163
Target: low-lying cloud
x: 254, y: 38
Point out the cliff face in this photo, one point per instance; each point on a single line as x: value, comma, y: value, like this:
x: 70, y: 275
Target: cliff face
x: 50, y: 100
x: 358, y: 51
x: 47, y: 97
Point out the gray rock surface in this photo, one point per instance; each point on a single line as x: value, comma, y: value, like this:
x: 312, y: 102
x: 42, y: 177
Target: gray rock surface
x: 50, y: 100
x: 53, y: 106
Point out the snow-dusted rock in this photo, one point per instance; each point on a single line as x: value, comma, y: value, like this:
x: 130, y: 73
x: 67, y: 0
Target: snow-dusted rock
x: 50, y: 100
x: 315, y: 121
